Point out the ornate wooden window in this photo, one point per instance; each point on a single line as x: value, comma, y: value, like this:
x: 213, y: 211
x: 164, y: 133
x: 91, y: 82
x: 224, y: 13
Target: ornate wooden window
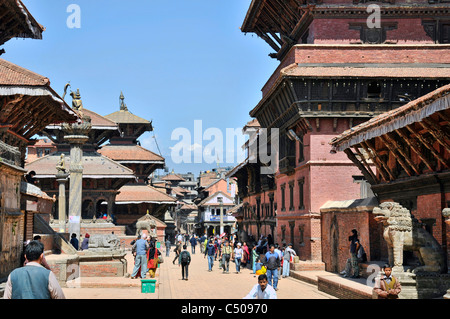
x: 374, y: 90
x: 301, y: 203
x: 373, y: 35
x: 291, y: 227
x: 291, y: 195
x: 283, y: 233
x: 283, y: 197
x: 301, y: 231
x: 301, y: 155
x: 437, y: 30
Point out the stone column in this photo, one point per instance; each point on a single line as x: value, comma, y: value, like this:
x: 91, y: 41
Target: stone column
x: 61, y: 178
x: 76, y: 135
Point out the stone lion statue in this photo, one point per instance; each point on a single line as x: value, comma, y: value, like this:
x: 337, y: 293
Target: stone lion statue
x: 146, y: 222
x: 104, y: 241
x: 403, y: 232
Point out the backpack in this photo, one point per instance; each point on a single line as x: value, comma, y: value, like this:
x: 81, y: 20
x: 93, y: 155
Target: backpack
x: 184, y: 258
x: 362, y: 254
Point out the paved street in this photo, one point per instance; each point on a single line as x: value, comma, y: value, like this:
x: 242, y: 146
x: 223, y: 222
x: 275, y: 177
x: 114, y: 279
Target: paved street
x: 202, y: 284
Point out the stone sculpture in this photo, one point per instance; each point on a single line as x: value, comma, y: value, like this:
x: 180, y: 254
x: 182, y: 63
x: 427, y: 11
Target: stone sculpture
x: 104, y: 242
x: 61, y: 167
x: 403, y: 232
x: 146, y: 222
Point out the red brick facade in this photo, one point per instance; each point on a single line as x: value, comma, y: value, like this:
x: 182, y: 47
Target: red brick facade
x: 322, y: 176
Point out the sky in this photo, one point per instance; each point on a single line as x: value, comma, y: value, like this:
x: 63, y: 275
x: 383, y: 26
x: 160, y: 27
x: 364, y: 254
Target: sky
x: 177, y: 63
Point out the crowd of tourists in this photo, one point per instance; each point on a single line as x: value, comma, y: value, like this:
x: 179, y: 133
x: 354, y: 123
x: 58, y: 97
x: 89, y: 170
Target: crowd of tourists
x: 268, y: 261
x: 262, y: 257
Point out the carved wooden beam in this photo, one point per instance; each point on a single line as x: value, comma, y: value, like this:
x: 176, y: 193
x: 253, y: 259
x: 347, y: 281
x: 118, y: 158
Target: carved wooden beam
x: 266, y: 38
x: 367, y: 166
x: 445, y: 117
x: 399, y: 149
x: 266, y: 26
x: 278, y: 17
x: 437, y: 132
x: 9, y: 104
x: 272, y: 18
x: 415, y: 148
x: 377, y: 161
x: 427, y: 145
x: 288, y: 10
x: 398, y: 158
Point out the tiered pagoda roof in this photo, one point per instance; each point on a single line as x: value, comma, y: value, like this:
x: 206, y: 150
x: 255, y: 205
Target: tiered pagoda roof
x: 95, y: 166
x: 137, y: 194
x: 17, y: 20
x: 130, y: 154
x: 29, y: 103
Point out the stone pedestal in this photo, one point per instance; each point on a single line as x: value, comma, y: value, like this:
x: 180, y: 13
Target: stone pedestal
x: 409, y: 285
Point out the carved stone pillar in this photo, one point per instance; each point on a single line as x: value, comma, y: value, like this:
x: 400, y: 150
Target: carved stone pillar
x: 76, y: 135
x: 61, y: 178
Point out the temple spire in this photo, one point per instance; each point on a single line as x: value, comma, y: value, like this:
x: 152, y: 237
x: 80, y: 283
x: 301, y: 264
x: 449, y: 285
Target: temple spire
x: 123, y: 106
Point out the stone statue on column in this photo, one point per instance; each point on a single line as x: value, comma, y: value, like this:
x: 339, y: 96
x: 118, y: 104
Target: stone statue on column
x: 77, y: 135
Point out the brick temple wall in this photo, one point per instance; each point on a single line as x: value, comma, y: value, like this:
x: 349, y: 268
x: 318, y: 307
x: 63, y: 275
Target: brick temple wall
x: 326, y: 177
x: 336, y: 228
x: 337, y: 31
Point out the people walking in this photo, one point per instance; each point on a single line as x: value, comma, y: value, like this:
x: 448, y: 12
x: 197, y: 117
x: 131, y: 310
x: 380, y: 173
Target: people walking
x: 237, y: 256
x: 217, y: 246
x: 288, y: 253
x: 201, y: 243
x: 185, y: 260
x: 245, y: 255
x: 272, y: 262
x: 33, y: 281
x: 152, y: 259
x: 177, y: 251
x: 227, y: 252
x: 168, y: 245
x: 210, y: 251
x: 140, y: 247
x: 193, y: 242
x: 255, y: 258
x: 280, y: 254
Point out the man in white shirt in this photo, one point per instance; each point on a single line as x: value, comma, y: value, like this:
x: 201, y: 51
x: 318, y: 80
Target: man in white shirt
x: 262, y: 290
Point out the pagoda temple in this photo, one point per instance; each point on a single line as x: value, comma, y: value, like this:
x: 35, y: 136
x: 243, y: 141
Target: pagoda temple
x: 102, y: 177
x: 136, y: 197
x: 336, y: 71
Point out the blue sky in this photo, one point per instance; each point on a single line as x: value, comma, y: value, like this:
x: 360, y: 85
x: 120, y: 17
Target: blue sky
x: 176, y: 61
